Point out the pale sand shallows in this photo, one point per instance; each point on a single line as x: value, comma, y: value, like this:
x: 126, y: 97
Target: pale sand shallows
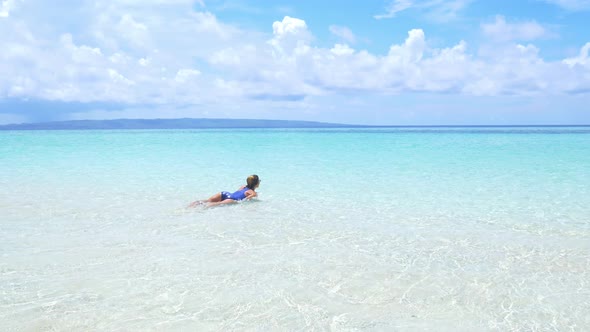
x: 356, y: 230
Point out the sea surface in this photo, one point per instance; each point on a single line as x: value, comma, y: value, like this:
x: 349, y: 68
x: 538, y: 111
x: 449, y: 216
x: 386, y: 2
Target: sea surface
x: 387, y: 229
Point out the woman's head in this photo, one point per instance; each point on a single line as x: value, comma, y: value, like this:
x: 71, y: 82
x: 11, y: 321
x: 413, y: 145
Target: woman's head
x: 252, y: 181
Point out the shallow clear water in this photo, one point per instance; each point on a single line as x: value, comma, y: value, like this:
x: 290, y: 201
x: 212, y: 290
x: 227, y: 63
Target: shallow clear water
x: 447, y: 229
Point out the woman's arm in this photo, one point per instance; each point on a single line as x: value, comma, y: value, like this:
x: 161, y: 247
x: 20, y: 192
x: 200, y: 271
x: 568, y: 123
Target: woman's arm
x: 250, y: 194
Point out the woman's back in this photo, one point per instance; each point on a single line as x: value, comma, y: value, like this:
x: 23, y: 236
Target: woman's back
x: 240, y: 194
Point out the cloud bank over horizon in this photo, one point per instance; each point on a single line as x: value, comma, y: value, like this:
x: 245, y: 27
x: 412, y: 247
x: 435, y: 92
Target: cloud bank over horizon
x: 178, y: 58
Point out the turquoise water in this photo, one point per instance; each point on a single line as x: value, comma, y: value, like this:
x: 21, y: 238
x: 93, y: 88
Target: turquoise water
x: 447, y: 229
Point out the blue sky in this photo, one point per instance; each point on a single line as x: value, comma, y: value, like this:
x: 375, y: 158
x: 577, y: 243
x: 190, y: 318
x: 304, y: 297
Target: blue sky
x: 398, y: 62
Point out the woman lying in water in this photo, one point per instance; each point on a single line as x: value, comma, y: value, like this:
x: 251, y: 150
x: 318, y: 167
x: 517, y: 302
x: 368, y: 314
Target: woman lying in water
x: 246, y: 192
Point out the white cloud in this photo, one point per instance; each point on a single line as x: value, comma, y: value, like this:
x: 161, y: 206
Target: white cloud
x: 144, y: 3
x: 185, y: 75
x: 205, y: 21
x: 410, y: 66
x: 81, y: 54
x: 412, y: 49
x: 343, y: 32
x: 500, y: 30
x: 134, y: 32
x: 394, y: 7
x: 573, y: 5
x: 176, y: 29
x: 436, y: 10
x: 227, y: 57
x: 288, y: 26
x: 446, y: 10
x: 136, y: 54
x: 118, y: 78
x: 581, y: 59
x: 6, y: 6
x: 342, y: 49
x: 289, y: 35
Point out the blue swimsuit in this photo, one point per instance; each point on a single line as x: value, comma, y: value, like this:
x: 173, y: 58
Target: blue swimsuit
x: 237, y: 196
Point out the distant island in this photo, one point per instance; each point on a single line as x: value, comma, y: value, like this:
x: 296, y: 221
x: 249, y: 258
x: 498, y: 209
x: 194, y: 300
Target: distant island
x: 207, y: 123
x: 185, y: 123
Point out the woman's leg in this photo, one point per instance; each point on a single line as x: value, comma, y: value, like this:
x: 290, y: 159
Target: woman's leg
x: 213, y: 199
x: 226, y: 201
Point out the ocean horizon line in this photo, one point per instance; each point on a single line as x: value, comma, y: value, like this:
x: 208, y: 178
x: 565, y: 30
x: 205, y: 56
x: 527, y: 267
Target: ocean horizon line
x: 232, y: 123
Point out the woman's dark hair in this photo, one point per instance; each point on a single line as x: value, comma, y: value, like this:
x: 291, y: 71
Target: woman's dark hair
x: 252, y: 181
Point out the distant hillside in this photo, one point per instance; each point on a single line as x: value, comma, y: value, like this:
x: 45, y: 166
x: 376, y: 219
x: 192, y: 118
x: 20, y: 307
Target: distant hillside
x: 172, y: 124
